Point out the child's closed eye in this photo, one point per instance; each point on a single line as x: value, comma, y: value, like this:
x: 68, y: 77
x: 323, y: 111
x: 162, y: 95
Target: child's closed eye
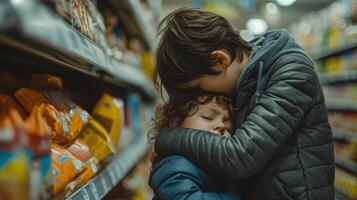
x: 209, y: 118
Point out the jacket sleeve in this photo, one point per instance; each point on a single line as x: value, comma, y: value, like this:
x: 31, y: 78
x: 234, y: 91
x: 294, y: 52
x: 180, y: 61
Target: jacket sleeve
x: 180, y: 179
x: 277, y: 113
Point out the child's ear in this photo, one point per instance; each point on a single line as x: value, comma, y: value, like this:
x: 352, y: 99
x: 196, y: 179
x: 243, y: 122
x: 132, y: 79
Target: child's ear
x: 223, y: 59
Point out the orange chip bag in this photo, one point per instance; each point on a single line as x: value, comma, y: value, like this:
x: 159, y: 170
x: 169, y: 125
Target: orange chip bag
x: 76, y: 117
x: 29, y: 98
x: 65, y: 167
x: 84, y: 177
x: 7, y: 102
x: 46, y: 82
x: 80, y: 151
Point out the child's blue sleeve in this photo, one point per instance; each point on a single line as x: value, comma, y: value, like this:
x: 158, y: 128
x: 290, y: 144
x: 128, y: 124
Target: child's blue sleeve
x: 176, y: 178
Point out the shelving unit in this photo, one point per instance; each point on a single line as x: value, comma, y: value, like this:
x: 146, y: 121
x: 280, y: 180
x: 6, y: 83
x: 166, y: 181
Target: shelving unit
x: 30, y: 27
x: 147, y: 32
x: 341, y: 106
x: 326, y: 53
x: 340, y: 78
x: 343, y: 136
x: 349, y: 166
x: 111, y: 175
x: 339, y: 195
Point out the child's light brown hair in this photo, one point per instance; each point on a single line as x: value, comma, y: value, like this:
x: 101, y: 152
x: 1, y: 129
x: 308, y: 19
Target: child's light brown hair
x: 173, y: 113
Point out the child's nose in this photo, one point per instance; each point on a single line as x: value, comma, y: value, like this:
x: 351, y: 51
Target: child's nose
x: 220, y: 129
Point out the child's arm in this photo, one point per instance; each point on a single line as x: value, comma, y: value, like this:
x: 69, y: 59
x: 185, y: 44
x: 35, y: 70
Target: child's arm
x: 281, y: 107
x: 176, y: 178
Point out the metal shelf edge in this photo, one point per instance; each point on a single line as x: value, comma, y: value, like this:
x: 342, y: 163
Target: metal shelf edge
x: 108, y: 178
x: 325, y: 53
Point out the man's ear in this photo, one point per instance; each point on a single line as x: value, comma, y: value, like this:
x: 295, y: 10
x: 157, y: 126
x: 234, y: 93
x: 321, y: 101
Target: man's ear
x: 223, y: 59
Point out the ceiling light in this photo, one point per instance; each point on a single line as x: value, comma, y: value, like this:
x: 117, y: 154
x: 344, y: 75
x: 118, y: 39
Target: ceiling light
x: 256, y: 25
x: 271, y: 8
x: 285, y: 2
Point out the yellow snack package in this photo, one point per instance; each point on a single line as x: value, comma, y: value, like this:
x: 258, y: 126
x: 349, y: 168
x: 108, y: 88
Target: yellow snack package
x: 97, y: 139
x: 109, y: 112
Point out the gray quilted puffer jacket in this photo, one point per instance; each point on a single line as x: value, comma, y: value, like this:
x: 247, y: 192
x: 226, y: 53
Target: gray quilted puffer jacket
x: 282, y: 147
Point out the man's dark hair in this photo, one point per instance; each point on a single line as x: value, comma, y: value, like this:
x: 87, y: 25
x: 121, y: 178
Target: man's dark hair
x: 188, y: 37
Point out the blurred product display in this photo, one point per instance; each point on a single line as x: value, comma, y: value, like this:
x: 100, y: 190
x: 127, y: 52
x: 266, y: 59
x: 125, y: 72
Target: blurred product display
x: 330, y: 35
x: 76, y: 93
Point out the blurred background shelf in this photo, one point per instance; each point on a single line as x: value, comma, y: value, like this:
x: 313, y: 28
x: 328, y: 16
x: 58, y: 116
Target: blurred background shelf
x: 111, y: 175
x: 346, y: 165
x: 341, y: 106
x: 343, y: 136
x: 346, y: 77
x: 326, y: 53
x: 32, y: 29
x: 339, y: 195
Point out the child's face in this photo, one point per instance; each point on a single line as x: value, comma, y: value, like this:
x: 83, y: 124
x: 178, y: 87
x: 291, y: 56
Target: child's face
x: 227, y: 79
x: 210, y: 117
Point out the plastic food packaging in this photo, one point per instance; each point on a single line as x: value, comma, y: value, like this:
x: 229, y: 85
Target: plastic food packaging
x: 109, y: 112
x: 46, y: 82
x: 39, y: 138
x: 15, y: 158
x: 29, y: 98
x: 80, y: 151
x: 65, y: 167
x: 98, y: 141
x: 84, y: 177
x: 7, y: 102
x: 71, y: 113
x: 64, y: 117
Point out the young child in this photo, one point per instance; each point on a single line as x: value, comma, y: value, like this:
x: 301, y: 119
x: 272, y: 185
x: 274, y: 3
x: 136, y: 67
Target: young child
x: 175, y: 177
x: 281, y: 147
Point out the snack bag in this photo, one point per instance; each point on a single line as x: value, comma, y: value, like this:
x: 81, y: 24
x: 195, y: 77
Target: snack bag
x: 109, y: 112
x: 7, y: 102
x: 15, y: 159
x: 65, y: 167
x: 46, y: 82
x: 71, y: 113
x: 98, y: 141
x: 87, y: 175
x: 29, y: 98
x: 39, y: 138
x: 80, y: 151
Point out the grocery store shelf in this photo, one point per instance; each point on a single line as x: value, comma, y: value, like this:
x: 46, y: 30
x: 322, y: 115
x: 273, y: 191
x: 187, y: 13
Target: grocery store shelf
x: 147, y: 31
x: 348, y: 166
x: 341, y: 106
x: 111, y: 175
x: 326, y: 53
x: 339, y: 78
x: 339, y: 195
x: 342, y: 136
x: 32, y: 27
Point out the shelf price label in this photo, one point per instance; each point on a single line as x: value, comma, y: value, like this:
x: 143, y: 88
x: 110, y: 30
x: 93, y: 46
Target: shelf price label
x: 94, y: 190
x: 104, y: 184
x: 85, y: 194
